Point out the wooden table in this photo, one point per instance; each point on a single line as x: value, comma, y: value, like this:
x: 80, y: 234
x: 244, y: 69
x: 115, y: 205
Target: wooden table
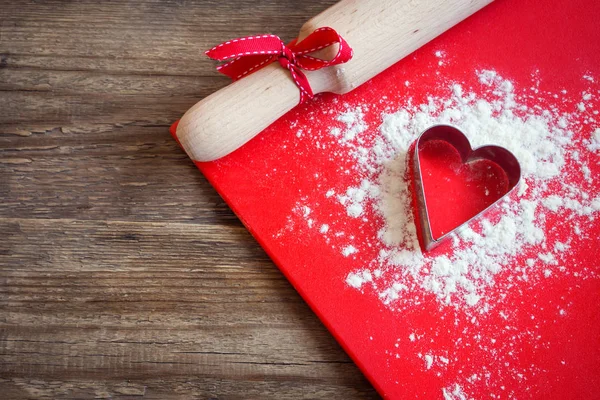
x: 122, y: 272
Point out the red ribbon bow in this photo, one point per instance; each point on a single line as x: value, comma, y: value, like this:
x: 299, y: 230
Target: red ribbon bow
x: 254, y: 52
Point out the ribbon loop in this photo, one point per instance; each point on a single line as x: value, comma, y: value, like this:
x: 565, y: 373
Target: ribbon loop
x: 249, y: 54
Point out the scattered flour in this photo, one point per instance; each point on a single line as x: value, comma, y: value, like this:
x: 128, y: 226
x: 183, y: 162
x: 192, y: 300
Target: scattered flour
x: 594, y: 142
x: 355, y: 125
x: 541, y: 139
x: 454, y: 393
x: 538, y: 138
x: 428, y: 361
x: 358, y: 279
x: 348, y: 250
x: 518, y: 240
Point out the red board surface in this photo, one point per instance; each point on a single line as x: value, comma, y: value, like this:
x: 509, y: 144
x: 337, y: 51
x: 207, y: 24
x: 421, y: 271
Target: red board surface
x: 539, y: 336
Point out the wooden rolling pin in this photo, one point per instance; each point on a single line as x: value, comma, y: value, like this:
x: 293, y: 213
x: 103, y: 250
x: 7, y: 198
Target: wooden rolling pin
x: 380, y: 32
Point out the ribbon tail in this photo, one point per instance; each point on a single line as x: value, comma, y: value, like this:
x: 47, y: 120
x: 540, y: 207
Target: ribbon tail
x: 299, y: 78
x: 303, y: 84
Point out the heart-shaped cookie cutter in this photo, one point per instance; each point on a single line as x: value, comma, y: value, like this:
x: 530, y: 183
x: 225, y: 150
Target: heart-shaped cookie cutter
x: 457, y: 139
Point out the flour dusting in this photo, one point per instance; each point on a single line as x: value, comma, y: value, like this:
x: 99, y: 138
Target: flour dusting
x: 454, y: 393
x: 539, y: 137
x: 516, y: 244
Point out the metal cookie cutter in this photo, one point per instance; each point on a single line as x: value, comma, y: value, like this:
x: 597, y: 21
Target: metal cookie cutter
x: 454, y: 136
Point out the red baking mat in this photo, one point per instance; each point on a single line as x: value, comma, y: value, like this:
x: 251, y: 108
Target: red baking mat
x: 540, y: 336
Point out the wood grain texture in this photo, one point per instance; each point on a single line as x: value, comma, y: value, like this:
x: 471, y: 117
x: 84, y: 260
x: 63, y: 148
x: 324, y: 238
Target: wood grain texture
x: 122, y: 272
